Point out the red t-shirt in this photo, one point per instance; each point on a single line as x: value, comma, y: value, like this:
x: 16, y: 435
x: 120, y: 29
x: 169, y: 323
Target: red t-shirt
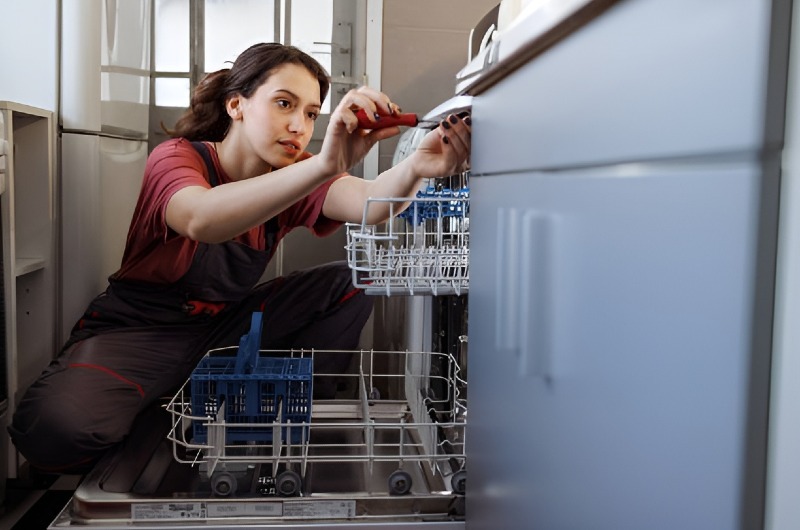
x: 154, y: 253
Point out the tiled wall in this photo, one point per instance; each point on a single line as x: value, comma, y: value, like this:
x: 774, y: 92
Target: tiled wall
x: 424, y: 46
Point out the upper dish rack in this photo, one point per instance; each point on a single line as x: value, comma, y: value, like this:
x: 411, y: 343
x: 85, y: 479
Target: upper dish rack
x: 421, y: 249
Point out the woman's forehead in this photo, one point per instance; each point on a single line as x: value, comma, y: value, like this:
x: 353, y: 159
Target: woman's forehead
x: 296, y: 80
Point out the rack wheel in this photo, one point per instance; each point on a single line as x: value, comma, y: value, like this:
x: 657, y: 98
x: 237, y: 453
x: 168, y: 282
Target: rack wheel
x: 399, y: 482
x: 459, y: 482
x: 223, y: 484
x: 288, y: 484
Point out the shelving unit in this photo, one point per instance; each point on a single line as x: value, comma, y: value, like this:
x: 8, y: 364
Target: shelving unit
x: 29, y: 248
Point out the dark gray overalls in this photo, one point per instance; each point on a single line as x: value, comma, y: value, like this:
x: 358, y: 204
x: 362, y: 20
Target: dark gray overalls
x: 137, y: 343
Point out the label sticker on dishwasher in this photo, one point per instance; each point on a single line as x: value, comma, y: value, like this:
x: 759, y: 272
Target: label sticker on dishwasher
x: 319, y: 509
x: 168, y: 510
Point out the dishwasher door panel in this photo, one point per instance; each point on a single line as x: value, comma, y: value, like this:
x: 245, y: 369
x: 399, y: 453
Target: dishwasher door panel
x: 611, y: 325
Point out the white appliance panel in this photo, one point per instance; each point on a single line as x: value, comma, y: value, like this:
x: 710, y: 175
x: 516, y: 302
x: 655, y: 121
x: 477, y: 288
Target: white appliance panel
x: 3, y: 149
x: 80, y: 210
x: 80, y: 65
x: 125, y: 66
x: 122, y: 164
x: 105, y: 57
x: 101, y: 178
x: 104, y: 126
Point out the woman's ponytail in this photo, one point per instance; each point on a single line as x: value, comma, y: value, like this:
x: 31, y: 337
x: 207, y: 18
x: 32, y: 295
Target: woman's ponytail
x: 206, y: 118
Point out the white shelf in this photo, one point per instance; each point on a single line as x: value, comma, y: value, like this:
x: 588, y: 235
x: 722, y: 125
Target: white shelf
x: 27, y: 265
x: 29, y: 233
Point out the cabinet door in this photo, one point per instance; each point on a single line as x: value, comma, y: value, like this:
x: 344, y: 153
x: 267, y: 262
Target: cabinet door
x: 611, y: 347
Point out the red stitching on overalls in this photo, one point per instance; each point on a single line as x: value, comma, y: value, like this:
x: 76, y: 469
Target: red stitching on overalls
x: 111, y: 373
x: 196, y: 307
x: 348, y: 296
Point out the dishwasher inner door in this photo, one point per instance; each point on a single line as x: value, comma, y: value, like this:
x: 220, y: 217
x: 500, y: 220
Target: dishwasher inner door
x: 386, y: 452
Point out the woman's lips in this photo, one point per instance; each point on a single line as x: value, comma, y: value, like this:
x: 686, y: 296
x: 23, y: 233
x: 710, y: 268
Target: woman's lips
x: 290, y: 148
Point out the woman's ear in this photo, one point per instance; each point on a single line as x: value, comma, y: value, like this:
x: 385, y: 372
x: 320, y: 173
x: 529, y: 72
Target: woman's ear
x: 234, y: 107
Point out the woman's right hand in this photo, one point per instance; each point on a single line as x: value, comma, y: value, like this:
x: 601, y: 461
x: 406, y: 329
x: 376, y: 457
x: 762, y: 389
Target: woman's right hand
x: 345, y: 144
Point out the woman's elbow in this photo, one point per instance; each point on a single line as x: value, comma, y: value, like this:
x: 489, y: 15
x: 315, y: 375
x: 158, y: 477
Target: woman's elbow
x: 202, y: 230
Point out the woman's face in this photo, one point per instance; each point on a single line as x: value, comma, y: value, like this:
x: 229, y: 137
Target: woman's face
x: 278, y: 119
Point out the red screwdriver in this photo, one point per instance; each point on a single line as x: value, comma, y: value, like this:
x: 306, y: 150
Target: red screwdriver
x: 408, y: 119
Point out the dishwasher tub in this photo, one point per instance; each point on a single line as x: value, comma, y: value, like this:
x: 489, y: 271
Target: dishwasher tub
x: 391, y: 455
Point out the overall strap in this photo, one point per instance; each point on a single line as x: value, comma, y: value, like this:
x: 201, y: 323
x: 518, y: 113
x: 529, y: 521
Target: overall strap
x: 202, y: 148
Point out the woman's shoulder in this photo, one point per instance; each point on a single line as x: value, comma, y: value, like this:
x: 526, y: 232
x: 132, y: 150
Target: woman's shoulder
x: 175, y: 152
x: 175, y: 147
x: 172, y: 159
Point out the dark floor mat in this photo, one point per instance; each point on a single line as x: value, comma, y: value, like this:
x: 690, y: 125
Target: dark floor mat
x: 44, y: 511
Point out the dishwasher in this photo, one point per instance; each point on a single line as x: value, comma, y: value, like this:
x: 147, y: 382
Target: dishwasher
x: 243, y: 444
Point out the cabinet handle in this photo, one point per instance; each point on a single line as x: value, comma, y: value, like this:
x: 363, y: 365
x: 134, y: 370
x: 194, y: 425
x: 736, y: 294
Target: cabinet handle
x: 525, y: 273
x: 506, y: 276
x: 536, y: 301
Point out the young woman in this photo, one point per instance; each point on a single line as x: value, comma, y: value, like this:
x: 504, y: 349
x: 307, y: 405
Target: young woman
x: 215, y: 201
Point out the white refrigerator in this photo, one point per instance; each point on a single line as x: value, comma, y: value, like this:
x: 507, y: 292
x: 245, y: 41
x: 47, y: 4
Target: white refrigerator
x: 103, y: 129
x: 3, y: 350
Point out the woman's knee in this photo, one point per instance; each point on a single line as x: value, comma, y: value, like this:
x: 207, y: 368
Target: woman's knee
x: 57, y: 431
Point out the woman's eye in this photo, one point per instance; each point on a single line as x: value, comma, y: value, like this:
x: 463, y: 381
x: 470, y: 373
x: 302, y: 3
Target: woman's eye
x: 313, y: 116
x: 284, y: 103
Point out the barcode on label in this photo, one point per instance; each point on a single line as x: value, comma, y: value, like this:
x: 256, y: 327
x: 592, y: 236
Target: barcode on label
x: 320, y: 509
x: 168, y: 510
x: 245, y: 509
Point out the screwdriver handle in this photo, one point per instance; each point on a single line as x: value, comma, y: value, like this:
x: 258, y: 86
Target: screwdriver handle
x: 408, y: 119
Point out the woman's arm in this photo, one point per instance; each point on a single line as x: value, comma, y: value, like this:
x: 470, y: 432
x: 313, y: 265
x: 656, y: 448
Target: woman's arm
x: 228, y: 210
x: 223, y: 212
x: 443, y: 152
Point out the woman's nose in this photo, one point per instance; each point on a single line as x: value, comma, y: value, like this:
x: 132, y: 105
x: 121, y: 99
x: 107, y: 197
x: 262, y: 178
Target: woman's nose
x: 298, y: 123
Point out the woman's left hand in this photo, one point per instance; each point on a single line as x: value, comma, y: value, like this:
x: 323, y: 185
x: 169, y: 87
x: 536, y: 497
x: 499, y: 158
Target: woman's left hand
x: 445, y: 150
x: 442, y: 152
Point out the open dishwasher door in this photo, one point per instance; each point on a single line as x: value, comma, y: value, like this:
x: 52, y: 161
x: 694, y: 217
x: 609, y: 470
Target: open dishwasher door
x: 248, y: 448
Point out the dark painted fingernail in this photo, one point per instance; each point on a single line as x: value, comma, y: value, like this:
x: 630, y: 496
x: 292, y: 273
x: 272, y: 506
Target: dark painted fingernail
x: 445, y: 125
x: 453, y: 119
x: 377, y: 116
x: 463, y: 114
x: 445, y: 140
x: 468, y: 120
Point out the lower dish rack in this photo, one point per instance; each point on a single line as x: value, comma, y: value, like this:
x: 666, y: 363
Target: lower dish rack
x: 421, y: 250
x: 262, y: 438
x: 406, y: 413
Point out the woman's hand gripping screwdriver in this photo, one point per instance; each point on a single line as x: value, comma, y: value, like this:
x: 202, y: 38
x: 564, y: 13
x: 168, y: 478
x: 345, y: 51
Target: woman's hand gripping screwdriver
x: 407, y: 119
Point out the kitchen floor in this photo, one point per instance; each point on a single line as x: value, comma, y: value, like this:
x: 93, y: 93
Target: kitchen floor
x: 32, y: 503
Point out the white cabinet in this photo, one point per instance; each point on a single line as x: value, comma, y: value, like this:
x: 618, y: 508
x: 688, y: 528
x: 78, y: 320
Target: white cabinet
x: 29, y: 247
x: 623, y: 221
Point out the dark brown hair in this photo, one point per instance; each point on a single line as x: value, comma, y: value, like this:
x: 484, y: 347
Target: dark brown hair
x: 207, y: 119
